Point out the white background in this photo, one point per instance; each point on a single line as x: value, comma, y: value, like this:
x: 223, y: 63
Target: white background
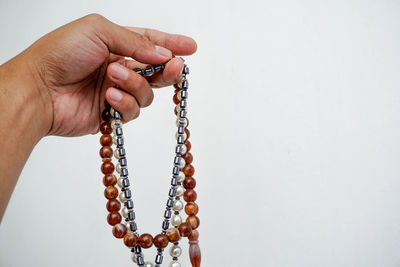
x: 295, y: 122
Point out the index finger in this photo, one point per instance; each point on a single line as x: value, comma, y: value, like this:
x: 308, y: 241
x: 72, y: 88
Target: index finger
x: 179, y: 44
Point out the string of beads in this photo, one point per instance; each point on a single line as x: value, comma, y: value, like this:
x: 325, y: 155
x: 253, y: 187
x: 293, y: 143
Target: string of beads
x: 182, y: 185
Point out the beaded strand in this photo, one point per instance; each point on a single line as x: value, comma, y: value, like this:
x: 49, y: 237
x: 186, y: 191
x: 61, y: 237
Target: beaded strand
x: 182, y: 185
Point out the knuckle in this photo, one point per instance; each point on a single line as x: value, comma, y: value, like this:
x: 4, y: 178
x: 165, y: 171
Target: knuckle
x: 94, y: 17
x: 148, y: 99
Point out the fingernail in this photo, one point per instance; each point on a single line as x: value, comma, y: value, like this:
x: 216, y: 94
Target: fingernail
x: 115, y: 95
x: 163, y: 51
x: 119, y: 72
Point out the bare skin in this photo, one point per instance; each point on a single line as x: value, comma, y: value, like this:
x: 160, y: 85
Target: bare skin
x: 58, y: 85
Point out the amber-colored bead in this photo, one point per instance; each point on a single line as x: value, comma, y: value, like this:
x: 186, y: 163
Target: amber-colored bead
x: 106, y: 140
x: 190, y: 195
x: 109, y: 179
x: 187, y: 133
x: 173, y: 235
x: 189, y: 183
x: 130, y: 240
x: 176, y: 111
x: 114, y: 218
x: 185, y: 229
x: 176, y: 100
x: 111, y: 192
x: 160, y: 241
x: 194, y: 235
x: 145, y: 240
x: 177, y: 89
x: 188, y: 145
x: 106, y: 152
x: 107, y: 167
x: 105, y: 128
x: 113, y: 205
x: 188, y: 158
x: 194, y: 253
x: 119, y: 230
x: 193, y: 221
x: 191, y: 208
x: 188, y: 170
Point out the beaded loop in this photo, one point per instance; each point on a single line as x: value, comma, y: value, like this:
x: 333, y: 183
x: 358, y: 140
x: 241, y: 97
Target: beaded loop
x: 173, y: 227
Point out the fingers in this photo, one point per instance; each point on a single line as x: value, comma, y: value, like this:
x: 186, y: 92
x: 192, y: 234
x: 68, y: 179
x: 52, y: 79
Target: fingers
x: 122, y: 41
x: 124, y: 103
x: 178, y: 44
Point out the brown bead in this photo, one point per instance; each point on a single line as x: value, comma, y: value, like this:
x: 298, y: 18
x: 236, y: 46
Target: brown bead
x: 191, y: 208
x: 188, y: 170
x: 189, y: 183
x: 106, y: 115
x: 175, y: 98
x: 187, y: 133
x: 111, y: 192
x: 109, y: 179
x: 176, y: 111
x: 190, y: 195
x: 194, y: 236
x: 177, y: 89
x: 119, y: 230
x: 160, y: 241
x: 145, y: 240
x: 113, y: 205
x: 106, y: 140
x: 114, y: 218
x: 173, y: 235
x: 188, y: 158
x: 193, y: 221
x: 194, y: 253
x: 106, y: 152
x: 130, y: 240
x: 185, y: 229
x: 105, y: 128
x: 188, y: 145
x: 107, y: 167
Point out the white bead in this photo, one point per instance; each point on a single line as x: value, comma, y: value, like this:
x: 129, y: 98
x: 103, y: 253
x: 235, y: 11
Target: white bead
x: 128, y: 226
x: 179, y: 84
x: 176, y: 220
x: 184, y: 122
x: 120, y: 182
x: 184, y: 149
x: 124, y: 212
x: 179, y: 95
x: 116, y: 153
x: 178, y: 205
x: 181, y: 177
x: 177, y: 135
x: 179, y: 191
x: 122, y: 197
x: 148, y: 264
x: 118, y: 168
x: 133, y: 257
x: 115, y: 140
x: 174, y: 264
x: 175, y: 251
x: 178, y: 108
x: 182, y: 163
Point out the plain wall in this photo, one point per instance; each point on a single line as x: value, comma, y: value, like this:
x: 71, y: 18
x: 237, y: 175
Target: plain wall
x: 294, y: 115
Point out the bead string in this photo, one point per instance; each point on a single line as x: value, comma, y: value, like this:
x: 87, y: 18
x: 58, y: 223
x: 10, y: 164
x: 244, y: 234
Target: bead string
x: 182, y: 184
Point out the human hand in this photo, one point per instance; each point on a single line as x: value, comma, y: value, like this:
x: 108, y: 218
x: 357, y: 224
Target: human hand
x: 76, y: 66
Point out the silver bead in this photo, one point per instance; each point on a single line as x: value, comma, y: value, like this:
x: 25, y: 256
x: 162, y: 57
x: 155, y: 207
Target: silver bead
x: 122, y: 197
x: 177, y: 135
x: 175, y: 251
x: 180, y: 177
x: 179, y: 190
x: 124, y: 212
x: 174, y: 264
x: 148, y: 264
x: 178, y: 205
x: 182, y: 122
x: 176, y: 220
x: 120, y: 182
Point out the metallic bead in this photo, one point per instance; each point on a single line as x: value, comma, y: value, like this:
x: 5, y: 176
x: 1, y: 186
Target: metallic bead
x: 175, y: 251
x: 131, y: 215
x: 174, y: 181
x: 140, y: 260
x: 138, y: 71
x: 149, y: 71
x: 185, y: 69
x: 120, y: 141
x: 133, y: 226
x: 118, y: 131
x: 158, y: 68
x: 123, y: 162
x: 174, y: 264
x: 183, y: 95
x: 129, y: 204
x: 179, y: 190
x: 185, y: 84
x: 177, y: 135
x: 182, y: 114
x: 181, y: 122
x: 175, y: 170
x: 121, y: 152
x: 124, y: 172
x: 172, y: 192
x: 117, y: 115
x: 165, y: 225
x: 176, y: 220
x: 128, y: 193
x: 159, y: 259
x: 182, y: 104
x: 167, y: 214
x: 178, y: 205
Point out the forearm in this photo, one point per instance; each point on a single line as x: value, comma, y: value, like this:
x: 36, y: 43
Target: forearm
x: 23, y: 123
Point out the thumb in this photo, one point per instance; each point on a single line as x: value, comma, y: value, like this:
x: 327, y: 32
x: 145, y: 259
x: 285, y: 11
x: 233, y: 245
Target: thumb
x: 124, y: 42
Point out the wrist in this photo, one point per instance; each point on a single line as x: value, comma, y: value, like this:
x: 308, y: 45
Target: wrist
x: 27, y: 105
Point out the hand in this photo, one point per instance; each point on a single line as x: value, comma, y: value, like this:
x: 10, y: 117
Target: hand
x: 76, y: 66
